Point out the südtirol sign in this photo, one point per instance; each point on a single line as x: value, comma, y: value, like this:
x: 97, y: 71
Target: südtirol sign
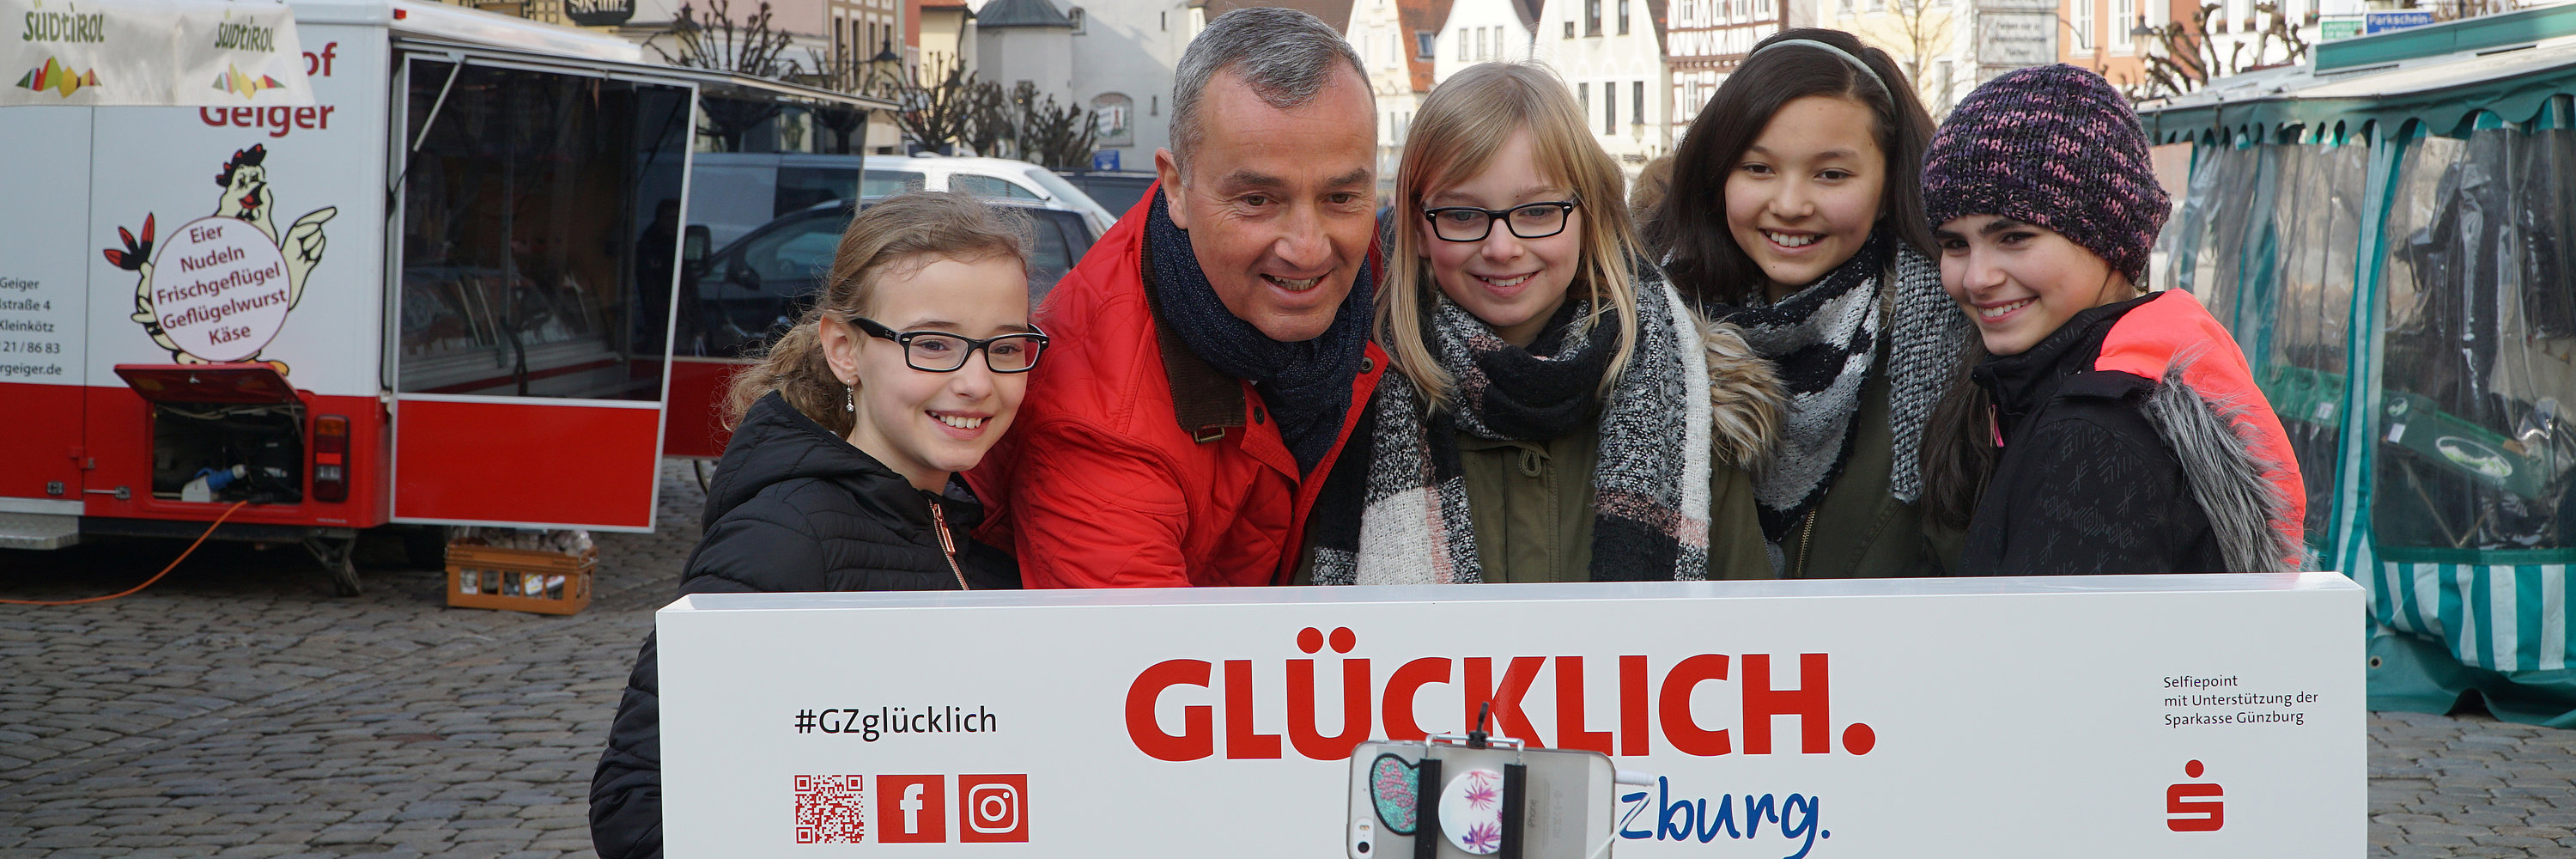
x: 206, y: 53
x: 2103, y: 716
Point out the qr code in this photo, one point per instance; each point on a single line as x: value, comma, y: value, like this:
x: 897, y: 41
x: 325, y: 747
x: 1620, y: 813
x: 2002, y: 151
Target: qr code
x: 828, y: 809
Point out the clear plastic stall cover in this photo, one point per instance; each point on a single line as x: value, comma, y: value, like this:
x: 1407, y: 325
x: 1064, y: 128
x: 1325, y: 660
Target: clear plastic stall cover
x: 2266, y: 241
x: 2473, y: 441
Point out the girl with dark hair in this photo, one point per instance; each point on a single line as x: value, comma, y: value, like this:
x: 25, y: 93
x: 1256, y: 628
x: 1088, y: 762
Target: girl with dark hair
x: 1795, y: 213
x: 2111, y: 430
x: 847, y: 437
x: 1550, y: 415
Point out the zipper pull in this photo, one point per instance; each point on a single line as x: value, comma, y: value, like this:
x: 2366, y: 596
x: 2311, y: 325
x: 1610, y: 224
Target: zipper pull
x: 947, y: 544
x: 1995, y: 423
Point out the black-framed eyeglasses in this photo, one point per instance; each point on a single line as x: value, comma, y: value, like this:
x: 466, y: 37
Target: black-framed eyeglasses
x: 1471, y: 224
x: 942, y: 352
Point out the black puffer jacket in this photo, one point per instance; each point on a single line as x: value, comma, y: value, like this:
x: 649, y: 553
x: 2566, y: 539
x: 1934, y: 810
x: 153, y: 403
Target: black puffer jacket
x: 2085, y: 483
x: 792, y: 508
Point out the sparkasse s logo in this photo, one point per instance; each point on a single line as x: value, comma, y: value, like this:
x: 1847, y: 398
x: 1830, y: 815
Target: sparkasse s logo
x: 2191, y: 807
x: 912, y: 809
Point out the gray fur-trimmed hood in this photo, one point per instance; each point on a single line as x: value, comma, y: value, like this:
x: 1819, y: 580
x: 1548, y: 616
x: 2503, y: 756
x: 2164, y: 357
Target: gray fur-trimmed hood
x: 2258, y: 529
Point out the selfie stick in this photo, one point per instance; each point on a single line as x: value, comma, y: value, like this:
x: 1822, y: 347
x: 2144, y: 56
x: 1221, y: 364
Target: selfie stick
x: 1426, y: 841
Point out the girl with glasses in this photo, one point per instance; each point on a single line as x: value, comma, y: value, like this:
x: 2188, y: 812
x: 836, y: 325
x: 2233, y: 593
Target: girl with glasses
x: 847, y: 437
x: 1550, y: 418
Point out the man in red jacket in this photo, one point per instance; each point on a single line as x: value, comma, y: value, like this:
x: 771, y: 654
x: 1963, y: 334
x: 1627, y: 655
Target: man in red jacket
x: 1210, y: 354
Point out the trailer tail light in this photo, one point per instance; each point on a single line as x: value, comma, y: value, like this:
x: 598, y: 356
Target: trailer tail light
x: 331, y: 458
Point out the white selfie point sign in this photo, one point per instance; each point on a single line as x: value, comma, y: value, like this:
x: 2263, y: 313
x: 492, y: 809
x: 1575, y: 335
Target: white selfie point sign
x: 2112, y: 716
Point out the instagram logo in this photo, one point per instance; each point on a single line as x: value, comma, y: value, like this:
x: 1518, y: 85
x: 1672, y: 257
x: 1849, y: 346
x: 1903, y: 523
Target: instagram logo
x: 993, y: 808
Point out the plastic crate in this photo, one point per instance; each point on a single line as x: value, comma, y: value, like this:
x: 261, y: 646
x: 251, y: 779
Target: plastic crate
x: 518, y: 579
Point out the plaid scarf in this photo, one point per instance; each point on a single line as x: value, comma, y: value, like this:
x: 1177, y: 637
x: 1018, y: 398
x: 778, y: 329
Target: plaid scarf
x: 1404, y: 519
x: 1823, y: 339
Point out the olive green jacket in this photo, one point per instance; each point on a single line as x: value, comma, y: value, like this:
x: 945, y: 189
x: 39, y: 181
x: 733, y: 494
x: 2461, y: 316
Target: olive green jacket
x: 1860, y: 530
x: 1533, y: 510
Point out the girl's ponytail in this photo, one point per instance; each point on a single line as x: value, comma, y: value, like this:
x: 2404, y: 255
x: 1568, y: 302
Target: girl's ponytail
x: 794, y: 367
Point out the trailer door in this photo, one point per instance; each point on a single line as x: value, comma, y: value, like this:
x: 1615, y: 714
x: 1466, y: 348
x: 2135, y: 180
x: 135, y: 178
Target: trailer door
x: 534, y: 286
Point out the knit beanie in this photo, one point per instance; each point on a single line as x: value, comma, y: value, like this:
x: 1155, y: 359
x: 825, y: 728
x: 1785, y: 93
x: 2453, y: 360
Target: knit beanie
x: 2053, y: 146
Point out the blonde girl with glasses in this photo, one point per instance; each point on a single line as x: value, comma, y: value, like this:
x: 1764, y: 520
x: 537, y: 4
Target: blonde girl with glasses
x: 1551, y: 415
x: 846, y: 440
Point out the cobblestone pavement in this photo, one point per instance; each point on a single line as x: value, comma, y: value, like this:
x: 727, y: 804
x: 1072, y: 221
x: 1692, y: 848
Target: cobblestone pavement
x: 238, y: 709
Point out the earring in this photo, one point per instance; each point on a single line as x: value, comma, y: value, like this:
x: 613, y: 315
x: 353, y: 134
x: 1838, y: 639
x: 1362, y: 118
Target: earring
x: 850, y: 401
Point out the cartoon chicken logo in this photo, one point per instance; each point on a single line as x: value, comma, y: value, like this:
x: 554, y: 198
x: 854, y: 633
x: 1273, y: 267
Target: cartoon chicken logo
x: 221, y: 285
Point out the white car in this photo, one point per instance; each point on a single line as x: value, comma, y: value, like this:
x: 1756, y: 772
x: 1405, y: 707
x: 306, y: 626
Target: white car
x: 995, y: 178
x: 734, y: 193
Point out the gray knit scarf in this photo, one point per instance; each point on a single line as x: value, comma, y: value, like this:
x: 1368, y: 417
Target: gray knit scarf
x: 1411, y: 523
x: 1825, y: 340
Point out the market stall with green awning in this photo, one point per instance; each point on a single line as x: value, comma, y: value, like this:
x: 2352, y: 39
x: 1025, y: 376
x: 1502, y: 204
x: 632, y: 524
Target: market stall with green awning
x: 2390, y: 231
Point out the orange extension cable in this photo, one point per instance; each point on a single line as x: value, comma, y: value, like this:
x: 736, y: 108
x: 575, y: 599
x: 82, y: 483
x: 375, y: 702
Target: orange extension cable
x: 174, y: 564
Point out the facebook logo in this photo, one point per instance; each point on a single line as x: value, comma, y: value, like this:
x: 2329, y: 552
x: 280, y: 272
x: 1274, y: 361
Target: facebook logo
x: 912, y: 809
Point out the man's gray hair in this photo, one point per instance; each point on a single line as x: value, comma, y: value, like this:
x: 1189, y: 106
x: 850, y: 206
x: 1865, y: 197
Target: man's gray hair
x: 1285, y: 55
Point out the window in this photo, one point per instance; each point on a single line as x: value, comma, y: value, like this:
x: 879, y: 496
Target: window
x: 1637, y: 103
x: 1458, y: 46
x: 1583, y: 94
x: 1569, y: 28
x: 2084, y: 25
x: 1843, y: 6
x: 532, y: 263
x: 990, y: 186
x: 1060, y: 240
x: 1077, y: 17
x: 1422, y: 44
x: 1623, y: 17
x: 1163, y: 21
x: 800, y: 187
x: 1609, y: 108
x: 1591, y: 17
x: 2124, y: 15
x: 887, y: 183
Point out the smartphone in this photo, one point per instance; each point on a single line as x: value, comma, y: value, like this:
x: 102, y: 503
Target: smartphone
x: 1566, y: 800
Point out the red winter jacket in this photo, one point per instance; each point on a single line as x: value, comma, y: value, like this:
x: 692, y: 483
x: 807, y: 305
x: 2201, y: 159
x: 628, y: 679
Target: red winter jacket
x: 1132, y: 463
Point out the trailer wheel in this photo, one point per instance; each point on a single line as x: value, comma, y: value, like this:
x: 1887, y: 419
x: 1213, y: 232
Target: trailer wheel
x: 334, y: 553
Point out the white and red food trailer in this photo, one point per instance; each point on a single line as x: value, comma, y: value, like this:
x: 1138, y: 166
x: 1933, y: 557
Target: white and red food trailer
x: 442, y: 293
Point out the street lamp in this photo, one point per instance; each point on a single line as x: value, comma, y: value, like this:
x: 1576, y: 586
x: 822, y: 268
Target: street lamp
x: 882, y: 68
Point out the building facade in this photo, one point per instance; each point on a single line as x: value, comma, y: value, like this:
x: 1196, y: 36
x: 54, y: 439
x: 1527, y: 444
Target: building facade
x: 1483, y: 31
x: 1124, y: 55
x: 1611, y: 52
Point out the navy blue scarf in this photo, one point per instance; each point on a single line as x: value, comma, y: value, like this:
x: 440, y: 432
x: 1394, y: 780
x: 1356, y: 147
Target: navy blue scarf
x: 1306, y: 384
